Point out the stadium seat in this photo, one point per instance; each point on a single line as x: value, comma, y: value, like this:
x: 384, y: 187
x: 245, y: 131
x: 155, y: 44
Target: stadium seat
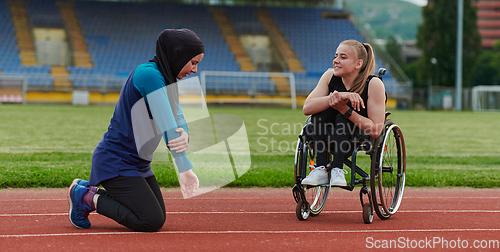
x: 121, y: 35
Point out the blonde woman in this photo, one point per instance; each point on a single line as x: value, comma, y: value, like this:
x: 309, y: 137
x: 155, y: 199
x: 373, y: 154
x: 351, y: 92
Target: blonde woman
x: 346, y: 102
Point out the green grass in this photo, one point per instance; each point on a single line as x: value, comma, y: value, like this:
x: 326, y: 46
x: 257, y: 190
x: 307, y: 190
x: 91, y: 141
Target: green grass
x: 49, y: 146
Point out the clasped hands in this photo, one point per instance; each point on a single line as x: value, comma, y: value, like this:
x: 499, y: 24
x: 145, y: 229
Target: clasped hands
x: 339, y: 100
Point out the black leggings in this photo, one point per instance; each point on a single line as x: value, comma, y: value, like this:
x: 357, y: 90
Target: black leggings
x: 332, y: 132
x: 134, y: 202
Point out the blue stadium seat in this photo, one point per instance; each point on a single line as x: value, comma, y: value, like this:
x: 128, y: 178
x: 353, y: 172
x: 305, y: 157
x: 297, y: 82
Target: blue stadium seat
x: 244, y: 20
x: 117, y: 51
x: 313, y: 39
x: 121, y: 35
x: 44, y: 14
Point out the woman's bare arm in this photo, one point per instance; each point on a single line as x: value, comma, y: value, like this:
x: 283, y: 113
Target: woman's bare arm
x: 374, y: 123
x: 317, y: 100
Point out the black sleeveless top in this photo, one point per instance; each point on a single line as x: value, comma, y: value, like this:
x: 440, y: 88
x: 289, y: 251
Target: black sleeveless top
x: 337, y: 84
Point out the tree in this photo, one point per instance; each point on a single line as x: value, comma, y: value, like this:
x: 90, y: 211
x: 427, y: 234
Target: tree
x: 394, y: 50
x: 437, y: 37
x: 486, y: 70
x: 410, y: 70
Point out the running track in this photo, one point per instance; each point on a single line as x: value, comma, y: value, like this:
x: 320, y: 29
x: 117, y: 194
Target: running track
x: 258, y: 220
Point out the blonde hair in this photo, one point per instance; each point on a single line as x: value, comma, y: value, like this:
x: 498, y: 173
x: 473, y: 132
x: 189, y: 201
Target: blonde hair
x: 364, y: 52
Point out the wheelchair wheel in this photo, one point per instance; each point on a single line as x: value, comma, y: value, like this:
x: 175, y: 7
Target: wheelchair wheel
x: 367, y: 213
x: 318, y: 195
x: 302, y: 211
x: 315, y: 195
x: 388, y: 171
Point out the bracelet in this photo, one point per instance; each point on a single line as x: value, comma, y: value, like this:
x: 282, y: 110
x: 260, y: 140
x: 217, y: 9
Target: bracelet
x: 348, y: 113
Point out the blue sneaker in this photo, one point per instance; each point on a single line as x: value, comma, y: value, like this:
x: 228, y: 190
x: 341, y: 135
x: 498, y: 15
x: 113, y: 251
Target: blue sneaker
x: 78, y: 212
x: 81, y: 182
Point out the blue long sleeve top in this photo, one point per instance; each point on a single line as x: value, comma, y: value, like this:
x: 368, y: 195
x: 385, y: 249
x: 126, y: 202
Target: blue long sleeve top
x: 142, y: 116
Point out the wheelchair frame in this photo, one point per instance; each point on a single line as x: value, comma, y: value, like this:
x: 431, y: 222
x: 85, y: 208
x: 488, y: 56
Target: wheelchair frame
x: 378, y: 199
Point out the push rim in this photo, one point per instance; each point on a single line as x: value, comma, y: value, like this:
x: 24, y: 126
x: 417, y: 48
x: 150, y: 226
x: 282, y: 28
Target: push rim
x: 392, y: 170
x: 318, y: 196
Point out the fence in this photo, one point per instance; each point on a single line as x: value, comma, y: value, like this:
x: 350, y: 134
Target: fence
x: 246, y: 87
x: 440, y: 98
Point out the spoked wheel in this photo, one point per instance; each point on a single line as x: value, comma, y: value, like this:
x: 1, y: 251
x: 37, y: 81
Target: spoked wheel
x: 367, y: 213
x: 388, y: 172
x: 315, y: 195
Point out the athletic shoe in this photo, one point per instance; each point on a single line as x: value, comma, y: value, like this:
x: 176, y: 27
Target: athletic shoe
x: 338, y: 177
x: 316, y: 177
x: 85, y: 183
x: 78, y: 212
x: 81, y: 182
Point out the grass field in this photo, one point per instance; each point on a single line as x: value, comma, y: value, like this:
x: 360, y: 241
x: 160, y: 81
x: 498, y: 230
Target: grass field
x: 50, y: 145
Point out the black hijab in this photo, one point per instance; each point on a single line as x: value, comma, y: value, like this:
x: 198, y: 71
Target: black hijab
x: 174, y: 49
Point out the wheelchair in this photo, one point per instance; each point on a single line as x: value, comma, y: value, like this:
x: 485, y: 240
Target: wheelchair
x: 385, y: 179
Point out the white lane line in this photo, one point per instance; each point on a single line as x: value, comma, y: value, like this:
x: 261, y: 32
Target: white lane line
x: 255, y: 198
x: 271, y: 212
x: 455, y: 197
x: 263, y: 232
x: 259, y: 198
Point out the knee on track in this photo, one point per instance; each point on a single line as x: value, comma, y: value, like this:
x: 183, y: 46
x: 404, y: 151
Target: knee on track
x: 152, y: 224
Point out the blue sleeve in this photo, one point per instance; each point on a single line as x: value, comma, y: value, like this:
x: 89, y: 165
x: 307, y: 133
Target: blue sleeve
x: 181, y: 121
x: 151, y: 85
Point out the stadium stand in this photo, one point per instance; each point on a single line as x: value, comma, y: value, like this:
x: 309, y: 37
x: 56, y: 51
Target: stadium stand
x: 10, y: 56
x: 120, y: 35
x: 313, y: 39
x: 244, y: 20
x: 44, y: 14
x: 9, y: 51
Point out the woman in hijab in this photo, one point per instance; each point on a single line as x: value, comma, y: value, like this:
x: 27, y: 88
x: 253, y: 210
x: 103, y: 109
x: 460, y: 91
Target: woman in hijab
x: 147, y: 110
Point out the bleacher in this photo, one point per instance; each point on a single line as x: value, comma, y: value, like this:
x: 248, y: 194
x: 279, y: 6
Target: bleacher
x: 122, y: 35
x: 10, y: 63
x: 244, y: 20
x: 44, y: 14
x: 313, y: 39
x: 9, y: 51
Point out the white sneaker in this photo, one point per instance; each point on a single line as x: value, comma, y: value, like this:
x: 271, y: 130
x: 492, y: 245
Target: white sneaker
x: 316, y: 177
x: 338, y: 177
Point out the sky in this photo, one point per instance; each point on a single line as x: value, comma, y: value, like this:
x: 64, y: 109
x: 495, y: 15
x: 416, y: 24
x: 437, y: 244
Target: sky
x: 417, y: 2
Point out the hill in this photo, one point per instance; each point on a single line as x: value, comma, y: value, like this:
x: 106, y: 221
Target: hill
x: 385, y: 18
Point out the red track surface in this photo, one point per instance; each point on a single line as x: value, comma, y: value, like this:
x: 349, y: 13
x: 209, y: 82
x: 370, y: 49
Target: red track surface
x: 258, y: 220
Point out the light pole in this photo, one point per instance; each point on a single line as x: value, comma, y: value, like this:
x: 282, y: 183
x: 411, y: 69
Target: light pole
x: 458, y: 81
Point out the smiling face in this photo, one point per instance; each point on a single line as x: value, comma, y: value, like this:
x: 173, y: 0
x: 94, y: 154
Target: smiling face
x: 346, y: 61
x: 191, y: 66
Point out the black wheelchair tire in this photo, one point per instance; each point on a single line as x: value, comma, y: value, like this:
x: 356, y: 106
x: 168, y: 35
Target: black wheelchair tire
x: 367, y: 213
x: 301, y: 211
